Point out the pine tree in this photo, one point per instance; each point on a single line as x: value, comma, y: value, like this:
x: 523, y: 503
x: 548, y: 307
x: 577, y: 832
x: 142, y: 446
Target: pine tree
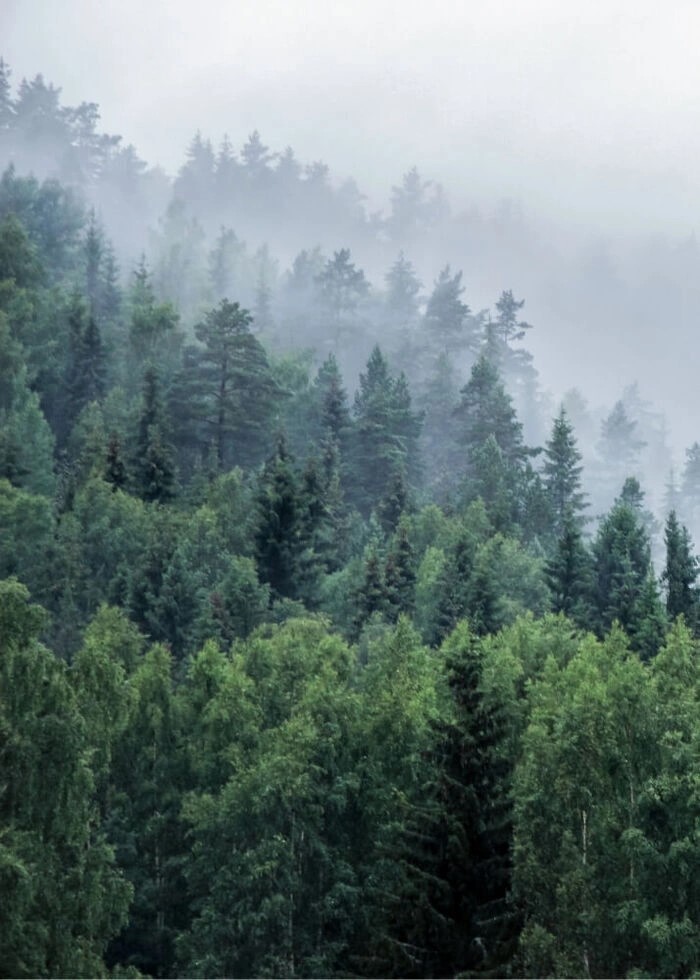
x: 335, y: 414
x: 680, y: 573
x: 486, y: 410
x: 619, y: 445
x: 236, y: 384
x: 278, y: 527
x: 400, y: 575
x: 7, y: 112
x: 569, y: 574
x: 562, y: 475
x: 115, y: 469
x: 385, y: 434
x: 449, y: 322
x: 690, y: 485
x: 342, y: 287
x: 85, y: 372
x: 224, y: 259
x: 622, y: 566
x: 403, y: 291
x: 371, y: 596
x: 153, y: 458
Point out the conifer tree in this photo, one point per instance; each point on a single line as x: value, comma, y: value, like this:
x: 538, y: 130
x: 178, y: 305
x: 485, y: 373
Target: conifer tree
x: 562, y: 475
x: 371, y: 596
x: 385, y: 435
x: 153, y: 465
x: 403, y: 289
x: 115, y: 468
x: 400, y: 574
x: 622, y: 566
x: 680, y: 573
x: 449, y: 322
x: 236, y: 384
x: 278, y: 528
x: 569, y: 574
x: 690, y: 485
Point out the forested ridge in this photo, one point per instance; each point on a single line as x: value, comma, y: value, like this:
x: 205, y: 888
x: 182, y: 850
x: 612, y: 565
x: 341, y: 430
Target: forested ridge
x: 329, y: 646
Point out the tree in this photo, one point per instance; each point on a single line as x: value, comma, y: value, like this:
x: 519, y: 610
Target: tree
x: 680, y: 573
x: 236, y: 384
x: 385, y: 433
x: 278, y: 532
x: 224, y: 261
x: 152, y: 463
x: 63, y: 897
x: 154, y: 337
x: 413, y: 213
x: 690, y: 484
x: 489, y: 431
x: 622, y: 567
x: 569, y: 574
x: 85, y: 371
x: 562, y: 475
x: 342, y: 287
x: 619, y: 445
x: 403, y: 291
x: 449, y: 322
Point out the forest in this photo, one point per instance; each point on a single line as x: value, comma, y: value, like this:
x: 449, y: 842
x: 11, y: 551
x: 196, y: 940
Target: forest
x: 331, y: 644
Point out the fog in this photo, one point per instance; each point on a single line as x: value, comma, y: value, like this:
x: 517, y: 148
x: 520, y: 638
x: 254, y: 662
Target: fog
x: 565, y: 137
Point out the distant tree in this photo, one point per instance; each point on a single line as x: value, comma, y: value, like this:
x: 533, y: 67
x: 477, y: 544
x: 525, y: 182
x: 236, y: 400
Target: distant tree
x: 256, y: 157
x: 403, y: 291
x: 7, y: 112
x: 619, y: 446
x: 342, y: 287
x: 224, y: 261
x: 690, y: 484
x: 413, y: 211
x: 450, y: 324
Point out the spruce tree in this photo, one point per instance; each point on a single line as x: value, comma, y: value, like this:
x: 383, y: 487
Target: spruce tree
x: 569, y: 574
x: 680, y: 573
x: 278, y: 525
x: 153, y: 457
x: 562, y: 475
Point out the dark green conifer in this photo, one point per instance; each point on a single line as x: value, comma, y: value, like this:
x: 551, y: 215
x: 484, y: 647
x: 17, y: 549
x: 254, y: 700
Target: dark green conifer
x: 680, y: 573
x: 152, y: 463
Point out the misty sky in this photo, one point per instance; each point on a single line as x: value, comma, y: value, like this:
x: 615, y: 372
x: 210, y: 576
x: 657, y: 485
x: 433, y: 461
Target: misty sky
x: 586, y: 111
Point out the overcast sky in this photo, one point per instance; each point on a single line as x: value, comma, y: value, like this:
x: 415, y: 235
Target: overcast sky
x: 586, y: 110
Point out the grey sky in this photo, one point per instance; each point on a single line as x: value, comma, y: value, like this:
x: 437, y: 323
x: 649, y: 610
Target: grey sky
x: 588, y: 111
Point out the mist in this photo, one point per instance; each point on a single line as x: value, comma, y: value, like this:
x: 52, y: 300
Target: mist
x: 562, y: 139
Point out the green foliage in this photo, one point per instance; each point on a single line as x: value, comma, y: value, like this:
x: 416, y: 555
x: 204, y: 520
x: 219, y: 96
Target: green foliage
x: 236, y: 386
x: 63, y: 898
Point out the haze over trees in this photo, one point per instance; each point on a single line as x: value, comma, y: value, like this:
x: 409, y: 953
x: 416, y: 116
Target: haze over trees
x: 330, y: 645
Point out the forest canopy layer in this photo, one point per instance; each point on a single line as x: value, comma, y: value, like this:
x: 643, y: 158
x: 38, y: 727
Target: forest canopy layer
x: 330, y: 645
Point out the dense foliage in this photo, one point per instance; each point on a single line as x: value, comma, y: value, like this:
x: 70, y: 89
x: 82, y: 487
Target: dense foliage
x: 295, y: 682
